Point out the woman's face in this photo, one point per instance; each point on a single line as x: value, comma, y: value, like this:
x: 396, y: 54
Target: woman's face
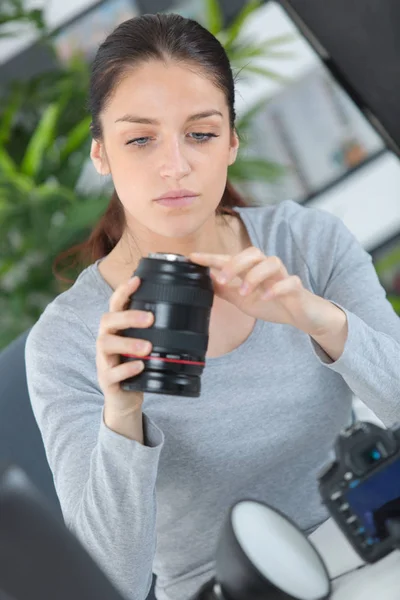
x: 166, y: 128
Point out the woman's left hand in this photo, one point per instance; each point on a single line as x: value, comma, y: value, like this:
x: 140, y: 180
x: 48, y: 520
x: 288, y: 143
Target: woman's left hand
x: 261, y: 287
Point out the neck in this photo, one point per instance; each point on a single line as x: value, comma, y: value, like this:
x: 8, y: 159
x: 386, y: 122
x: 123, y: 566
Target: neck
x: 218, y: 235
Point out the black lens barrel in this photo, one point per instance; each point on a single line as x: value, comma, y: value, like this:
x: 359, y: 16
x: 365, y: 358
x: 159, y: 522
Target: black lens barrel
x: 180, y: 295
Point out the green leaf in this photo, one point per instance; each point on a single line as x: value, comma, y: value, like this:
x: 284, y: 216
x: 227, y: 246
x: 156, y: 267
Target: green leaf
x: 53, y: 195
x: 395, y: 301
x: 268, y: 73
x: 235, y: 28
x: 255, y: 169
x: 214, y: 16
x: 15, y: 185
x: 7, y: 165
x: 277, y: 40
x: 8, y: 114
x: 244, y: 121
x: 244, y: 51
x: 6, y: 266
x: 391, y: 260
x: 248, y: 50
x: 82, y: 216
x: 15, y: 12
x: 70, y: 171
x: 86, y: 212
x: 76, y: 138
x: 36, y: 17
x: 41, y: 139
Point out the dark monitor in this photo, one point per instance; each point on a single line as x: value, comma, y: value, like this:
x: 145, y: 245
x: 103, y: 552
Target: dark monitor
x: 359, y: 42
x: 40, y: 559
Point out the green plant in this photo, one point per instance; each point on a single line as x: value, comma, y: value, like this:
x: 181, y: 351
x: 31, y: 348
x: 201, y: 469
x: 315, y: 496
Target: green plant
x: 388, y: 271
x: 14, y: 12
x: 44, y: 143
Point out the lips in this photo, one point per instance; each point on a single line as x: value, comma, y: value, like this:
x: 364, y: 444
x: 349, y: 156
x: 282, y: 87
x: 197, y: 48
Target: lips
x: 177, y: 198
x: 182, y: 193
x: 177, y: 202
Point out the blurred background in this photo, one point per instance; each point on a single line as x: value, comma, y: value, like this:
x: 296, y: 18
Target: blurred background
x: 302, y: 137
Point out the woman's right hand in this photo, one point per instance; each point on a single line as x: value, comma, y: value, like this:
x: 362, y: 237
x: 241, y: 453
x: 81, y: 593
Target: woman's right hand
x: 109, y: 347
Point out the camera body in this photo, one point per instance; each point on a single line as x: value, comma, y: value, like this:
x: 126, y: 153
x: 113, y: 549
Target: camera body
x: 361, y: 487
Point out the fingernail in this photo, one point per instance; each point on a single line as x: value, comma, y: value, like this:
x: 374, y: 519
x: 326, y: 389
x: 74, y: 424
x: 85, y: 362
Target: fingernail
x: 244, y: 289
x: 142, y: 346
x: 222, y: 278
x: 146, y: 317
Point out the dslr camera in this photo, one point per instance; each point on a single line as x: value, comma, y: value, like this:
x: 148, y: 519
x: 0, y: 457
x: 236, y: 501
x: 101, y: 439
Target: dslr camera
x: 361, y: 488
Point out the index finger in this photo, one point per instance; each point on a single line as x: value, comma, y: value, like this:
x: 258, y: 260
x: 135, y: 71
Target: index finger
x: 120, y: 298
x: 218, y: 261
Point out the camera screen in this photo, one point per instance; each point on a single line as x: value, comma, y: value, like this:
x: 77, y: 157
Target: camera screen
x: 376, y: 499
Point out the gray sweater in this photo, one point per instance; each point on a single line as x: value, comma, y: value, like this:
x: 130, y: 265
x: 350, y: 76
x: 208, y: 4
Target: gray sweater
x: 263, y: 427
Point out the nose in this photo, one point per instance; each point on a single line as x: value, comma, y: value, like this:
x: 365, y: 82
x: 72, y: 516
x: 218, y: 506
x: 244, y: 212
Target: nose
x: 175, y: 164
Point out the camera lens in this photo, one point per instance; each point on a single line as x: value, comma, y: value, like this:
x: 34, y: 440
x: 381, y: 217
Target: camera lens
x: 180, y: 294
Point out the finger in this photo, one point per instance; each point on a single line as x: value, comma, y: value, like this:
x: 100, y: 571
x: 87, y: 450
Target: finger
x: 124, y: 371
x: 118, y: 344
x: 114, y: 322
x: 269, y: 271
x: 234, y: 283
x: 121, y: 295
x: 210, y: 260
x: 240, y: 263
x: 111, y: 347
x: 290, y: 285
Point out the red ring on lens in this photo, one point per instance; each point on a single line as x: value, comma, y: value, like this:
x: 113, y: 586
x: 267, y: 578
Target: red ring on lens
x: 168, y: 360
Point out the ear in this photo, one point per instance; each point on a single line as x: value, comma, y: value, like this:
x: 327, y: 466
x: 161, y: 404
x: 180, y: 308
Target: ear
x: 234, y: 147
x: 99, y: 158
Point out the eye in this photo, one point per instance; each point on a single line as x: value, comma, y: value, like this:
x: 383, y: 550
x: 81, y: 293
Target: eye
x: 139, y: 142
x: 198, y: 137
x: 203, y: 137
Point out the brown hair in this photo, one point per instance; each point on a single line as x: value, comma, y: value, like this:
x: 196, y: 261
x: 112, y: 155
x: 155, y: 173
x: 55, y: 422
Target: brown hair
x: 144, y: 38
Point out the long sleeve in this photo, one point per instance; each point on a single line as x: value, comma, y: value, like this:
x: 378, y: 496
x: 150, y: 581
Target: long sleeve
x: 104, y: 481
x: 342, y: 272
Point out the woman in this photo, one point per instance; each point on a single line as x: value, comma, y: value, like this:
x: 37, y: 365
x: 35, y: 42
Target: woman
x: 299, y: 323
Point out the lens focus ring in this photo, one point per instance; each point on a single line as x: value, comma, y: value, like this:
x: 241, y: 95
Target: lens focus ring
x: 176, y: 341
x: 174, y: 294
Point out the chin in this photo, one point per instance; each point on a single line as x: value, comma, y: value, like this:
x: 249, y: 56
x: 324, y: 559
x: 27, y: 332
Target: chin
x: 180, y: 225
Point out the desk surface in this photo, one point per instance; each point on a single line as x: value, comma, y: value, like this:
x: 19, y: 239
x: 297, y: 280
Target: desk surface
x: 352, y: 578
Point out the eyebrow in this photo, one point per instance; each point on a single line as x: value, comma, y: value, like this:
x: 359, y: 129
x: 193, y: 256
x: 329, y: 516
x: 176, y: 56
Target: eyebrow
x: 147, y: 121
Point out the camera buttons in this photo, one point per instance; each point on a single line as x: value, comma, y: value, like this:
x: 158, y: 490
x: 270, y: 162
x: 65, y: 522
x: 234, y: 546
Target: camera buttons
x: 345, y: 510
x: 351, y: 520
x: 353, y: 524
x: 336, y: 496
